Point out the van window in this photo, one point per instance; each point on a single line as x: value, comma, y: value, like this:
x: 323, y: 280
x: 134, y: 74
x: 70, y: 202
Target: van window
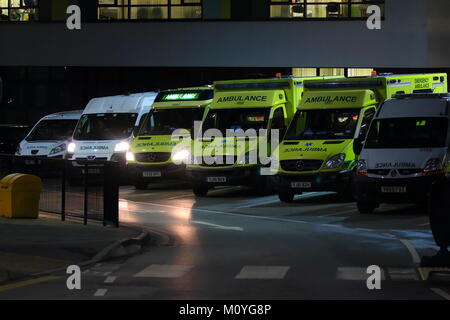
x: 105, y: 126
x: 52, y: 130
x: 403, y: 133
x: 278, y: 119
x: 323, y: 124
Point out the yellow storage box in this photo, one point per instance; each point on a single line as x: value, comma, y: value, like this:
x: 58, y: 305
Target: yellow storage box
x: 19, y: 196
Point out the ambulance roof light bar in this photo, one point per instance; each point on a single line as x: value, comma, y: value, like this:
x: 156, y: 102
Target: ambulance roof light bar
x: 266, y: 85
x: 348, y: 84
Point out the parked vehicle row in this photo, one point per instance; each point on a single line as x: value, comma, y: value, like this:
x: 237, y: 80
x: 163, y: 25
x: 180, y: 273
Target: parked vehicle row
x: 321, y: 122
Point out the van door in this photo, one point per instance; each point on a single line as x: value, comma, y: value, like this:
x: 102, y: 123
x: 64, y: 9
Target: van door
x: 365, y: 123
x: 278, y: 122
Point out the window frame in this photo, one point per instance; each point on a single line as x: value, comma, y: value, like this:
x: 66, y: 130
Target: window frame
x: 22, y: 6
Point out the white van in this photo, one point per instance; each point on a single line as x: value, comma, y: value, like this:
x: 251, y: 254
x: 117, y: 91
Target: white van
x: 49, y: 137
x: 405, y: 151
x: 106, y: 127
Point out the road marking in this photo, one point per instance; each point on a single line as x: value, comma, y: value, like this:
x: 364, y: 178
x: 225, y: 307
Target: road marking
x: 110, y: 279
x: 217, y: 226
x: 164, y: 271
x: 263, y: 272
x: 337, y: 213
x: 364, y: 229
x: 415, y: 256
x: 25, y: 283
x: 388, y: 235
x: 106, y: 274
x: 100, y: 292
x: 180, y: 196
x: 424, y: 224
x: 402, y: 274
x: 441, y: 293
x: 353, y: 273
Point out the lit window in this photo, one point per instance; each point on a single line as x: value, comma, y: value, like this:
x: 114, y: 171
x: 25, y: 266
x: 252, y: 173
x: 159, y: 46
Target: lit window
x: 149, y: 9
x: 18, y: 10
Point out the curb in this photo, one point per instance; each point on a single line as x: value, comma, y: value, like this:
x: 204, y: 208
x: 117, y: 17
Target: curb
x: 118, y: 249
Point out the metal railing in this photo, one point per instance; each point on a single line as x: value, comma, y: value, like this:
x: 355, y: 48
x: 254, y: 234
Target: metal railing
x: 84, y: 189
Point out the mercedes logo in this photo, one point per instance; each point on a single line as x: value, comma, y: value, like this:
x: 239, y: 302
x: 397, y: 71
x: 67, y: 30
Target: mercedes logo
x: 393, y: 173
x: 300, y: 165
x: 152, y: 156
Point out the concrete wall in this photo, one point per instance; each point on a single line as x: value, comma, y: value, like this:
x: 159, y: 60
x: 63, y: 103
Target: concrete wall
x: 412, y: 35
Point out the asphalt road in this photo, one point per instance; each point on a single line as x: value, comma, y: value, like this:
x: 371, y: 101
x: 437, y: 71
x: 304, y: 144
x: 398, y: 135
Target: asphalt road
x: 237, y: 245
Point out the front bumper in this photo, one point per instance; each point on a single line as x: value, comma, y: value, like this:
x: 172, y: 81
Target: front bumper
x: 370, y: 189
x: 137, y: 172
x: 235, y: 176
x: 338, y: 181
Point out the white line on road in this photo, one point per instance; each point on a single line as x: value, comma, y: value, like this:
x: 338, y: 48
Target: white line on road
x: 218, y: 226
x: 415, y: 256
x: 180, y: 196
x: 424, y: 224
x: 355, y: 273
x: 337, y: 213
x: 263, y: 272
x: 100, y: 292
x: 441, y: 293
x: 110, y: 279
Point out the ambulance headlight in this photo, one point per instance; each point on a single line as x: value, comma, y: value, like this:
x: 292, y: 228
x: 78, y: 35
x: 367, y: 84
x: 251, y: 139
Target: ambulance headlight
x: 433, y: 165
x: 122, y: 147
x: 58, y: 149
x: 130, y: 156
x: 181, y: 156
x: 71, y: 147
x: 335, y: 162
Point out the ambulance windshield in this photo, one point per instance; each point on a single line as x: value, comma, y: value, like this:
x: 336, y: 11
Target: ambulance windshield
x: 402, y: 133
x: 323, y: 124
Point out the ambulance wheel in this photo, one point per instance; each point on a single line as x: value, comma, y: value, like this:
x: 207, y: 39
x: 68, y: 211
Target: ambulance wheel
x: 286, y: 196
x: 366, y: 207
x: 140, y: 185
x: 200, y: 191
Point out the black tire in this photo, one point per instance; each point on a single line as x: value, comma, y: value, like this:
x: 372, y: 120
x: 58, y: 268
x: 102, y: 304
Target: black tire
x: 366, y: 207
x: 200, y: 191
x: 140, y: 185
x: 286, y: 196
x: 439, y: 210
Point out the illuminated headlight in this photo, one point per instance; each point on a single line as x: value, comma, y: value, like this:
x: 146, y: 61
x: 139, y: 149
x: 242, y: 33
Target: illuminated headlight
x: 122, y: 147
x: 18, y: 150
x: 433, y: 165
x: 130, y: 156
x: 58, y: 149
x: 181, y: 156
x: 71, y: 147
x: 335, y: 162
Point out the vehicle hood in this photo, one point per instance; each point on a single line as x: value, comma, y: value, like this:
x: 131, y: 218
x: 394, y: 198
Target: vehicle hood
x: 39, y: 148
x: 313, y: 149
x: 400, y: 158
x: 157, y: 143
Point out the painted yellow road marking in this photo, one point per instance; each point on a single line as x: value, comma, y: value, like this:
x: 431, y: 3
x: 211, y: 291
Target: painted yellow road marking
x: 19, y: 284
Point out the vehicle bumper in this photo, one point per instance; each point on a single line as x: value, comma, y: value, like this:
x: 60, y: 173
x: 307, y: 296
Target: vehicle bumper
x: 165, y: 171
x: 240, y: 176
x: 369, y: 189
x: 338, y: 181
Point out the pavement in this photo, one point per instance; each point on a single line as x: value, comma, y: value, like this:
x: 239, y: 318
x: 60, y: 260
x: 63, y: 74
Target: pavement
x: 237, y: 245
x: 29, y: 247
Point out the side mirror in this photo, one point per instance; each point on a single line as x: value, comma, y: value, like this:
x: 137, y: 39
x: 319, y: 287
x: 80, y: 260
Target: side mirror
x: 358, y: 144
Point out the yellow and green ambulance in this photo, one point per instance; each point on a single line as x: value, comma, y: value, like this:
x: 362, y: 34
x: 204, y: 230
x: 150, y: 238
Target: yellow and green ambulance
x: 155, y: 153
x: 316, y: 153
x: 227, y: 148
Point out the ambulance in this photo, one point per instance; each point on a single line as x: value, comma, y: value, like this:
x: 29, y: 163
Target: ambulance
x: 316, y: 153
x: 153, y: 154
x: 49, y: 137
x: 241, y: 106
x: 105, y: 130
x: 405, y: 151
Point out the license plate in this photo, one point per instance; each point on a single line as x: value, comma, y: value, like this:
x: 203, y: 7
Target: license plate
x: 303, y: 185
x: 91, y: 171
x: 151, y: 174
x: 393, y: 189
x: 30, y: 162
x: 216, y: 179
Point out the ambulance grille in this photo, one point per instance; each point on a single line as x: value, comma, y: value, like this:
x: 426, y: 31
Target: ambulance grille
x: 219, y: 161
x: 150, y: 157
x: 301, y: 165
